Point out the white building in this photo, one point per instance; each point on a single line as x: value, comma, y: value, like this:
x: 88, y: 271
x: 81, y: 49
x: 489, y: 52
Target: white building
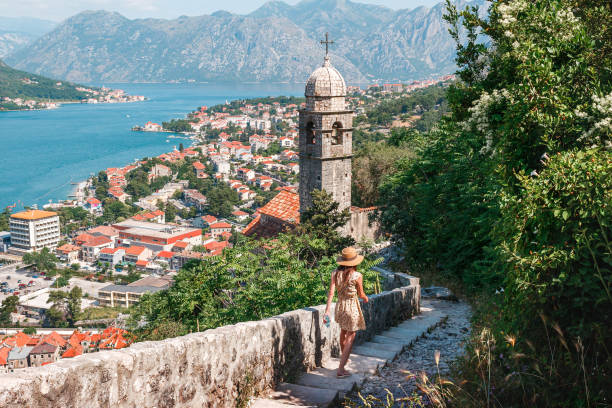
x: 34, y: 230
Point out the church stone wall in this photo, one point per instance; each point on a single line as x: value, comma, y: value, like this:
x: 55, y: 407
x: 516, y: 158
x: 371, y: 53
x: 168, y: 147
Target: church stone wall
x: 213, y: 368
x: 360, y: 227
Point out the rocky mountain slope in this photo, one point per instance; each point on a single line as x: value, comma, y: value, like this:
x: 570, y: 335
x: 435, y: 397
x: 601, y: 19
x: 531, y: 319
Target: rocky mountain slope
x: 277, y: 42
x: 16, y: 33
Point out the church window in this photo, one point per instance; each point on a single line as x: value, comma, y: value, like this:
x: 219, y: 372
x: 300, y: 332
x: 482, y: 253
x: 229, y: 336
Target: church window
x: 310, y: 133
x: 336, y: 135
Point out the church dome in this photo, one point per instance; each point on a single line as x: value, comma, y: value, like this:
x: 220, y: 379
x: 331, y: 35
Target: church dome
x: 325, y: 81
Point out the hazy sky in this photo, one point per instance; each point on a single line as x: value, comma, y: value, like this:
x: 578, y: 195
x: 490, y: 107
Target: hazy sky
x: 58, y: 10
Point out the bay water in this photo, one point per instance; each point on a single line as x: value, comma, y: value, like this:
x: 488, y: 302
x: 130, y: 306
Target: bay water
x: 43, y: 152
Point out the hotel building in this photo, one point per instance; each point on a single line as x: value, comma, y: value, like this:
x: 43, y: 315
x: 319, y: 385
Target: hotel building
x: 34, y: 230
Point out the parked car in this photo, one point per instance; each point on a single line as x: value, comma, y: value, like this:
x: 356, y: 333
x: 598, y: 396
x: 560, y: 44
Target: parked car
x: 35, y: 276
x: 47, y: 278
x: 16, y: 293
x: 8, y: 276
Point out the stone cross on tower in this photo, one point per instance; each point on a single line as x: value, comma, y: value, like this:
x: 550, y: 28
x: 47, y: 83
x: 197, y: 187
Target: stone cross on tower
x: 326, y: 130
x: 327, y: 42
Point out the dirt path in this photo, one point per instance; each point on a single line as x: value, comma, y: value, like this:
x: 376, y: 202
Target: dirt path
x: 448, y: 338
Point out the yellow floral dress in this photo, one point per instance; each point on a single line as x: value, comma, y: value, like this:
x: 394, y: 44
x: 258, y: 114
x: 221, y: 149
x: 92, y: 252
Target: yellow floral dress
x: 348, y: 310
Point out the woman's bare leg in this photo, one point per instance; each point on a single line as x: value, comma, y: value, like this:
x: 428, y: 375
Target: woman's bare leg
x: 342, y: 340
x: 346, y: 352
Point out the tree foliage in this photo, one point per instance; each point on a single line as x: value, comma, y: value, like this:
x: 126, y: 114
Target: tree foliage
x: 251, y: 281
x: 43, y: 261
x: 513, y: 192
x: 9, y: 305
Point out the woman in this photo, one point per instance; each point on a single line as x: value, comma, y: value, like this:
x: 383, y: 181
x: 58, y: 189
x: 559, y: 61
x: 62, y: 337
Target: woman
x: 349, y: 284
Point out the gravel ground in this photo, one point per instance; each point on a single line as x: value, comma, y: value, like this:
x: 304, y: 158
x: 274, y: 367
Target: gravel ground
x: 448, y: 338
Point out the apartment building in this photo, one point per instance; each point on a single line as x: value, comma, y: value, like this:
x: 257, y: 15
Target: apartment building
x: 34, y: 230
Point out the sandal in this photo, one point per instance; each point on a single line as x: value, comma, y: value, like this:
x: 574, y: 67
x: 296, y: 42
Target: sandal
x: 345, y: 375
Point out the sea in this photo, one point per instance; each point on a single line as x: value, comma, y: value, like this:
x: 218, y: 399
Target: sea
x: 44, y: 153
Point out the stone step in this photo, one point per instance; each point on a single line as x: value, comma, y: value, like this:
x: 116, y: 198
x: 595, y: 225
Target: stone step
x: 358, y: 364
x: 268, y: 403
x: 300, y: 395
x: 384, y: 346
x: 380, y: 339
x: 322, y: 377
x: 364, y: 350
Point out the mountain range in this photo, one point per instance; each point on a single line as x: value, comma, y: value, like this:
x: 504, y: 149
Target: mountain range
x: 277, y: 42
x: 17, y: 32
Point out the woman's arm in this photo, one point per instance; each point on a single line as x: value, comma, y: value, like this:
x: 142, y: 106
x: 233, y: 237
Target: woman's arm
x: 360, y: 291
x: 330, y: 294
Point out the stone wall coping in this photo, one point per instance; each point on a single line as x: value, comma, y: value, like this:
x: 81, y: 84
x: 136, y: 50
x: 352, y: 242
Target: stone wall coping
x: 200, y: 369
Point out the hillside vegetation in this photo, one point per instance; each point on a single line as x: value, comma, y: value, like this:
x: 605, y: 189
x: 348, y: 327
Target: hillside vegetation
x: 20, y: 84
x: 511, y: 195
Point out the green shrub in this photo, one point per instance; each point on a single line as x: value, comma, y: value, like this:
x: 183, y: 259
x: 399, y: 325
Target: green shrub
x: 558, y: 253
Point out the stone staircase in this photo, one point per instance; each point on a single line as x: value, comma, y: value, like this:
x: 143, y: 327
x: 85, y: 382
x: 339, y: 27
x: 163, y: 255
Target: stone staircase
x: 321, y: 387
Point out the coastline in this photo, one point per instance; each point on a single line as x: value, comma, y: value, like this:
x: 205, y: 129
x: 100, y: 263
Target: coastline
x: 59, y: 105
x: 44, y: 151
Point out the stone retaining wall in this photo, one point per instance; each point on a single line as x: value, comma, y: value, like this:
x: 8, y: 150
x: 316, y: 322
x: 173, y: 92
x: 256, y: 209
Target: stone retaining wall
x: 214, y: 368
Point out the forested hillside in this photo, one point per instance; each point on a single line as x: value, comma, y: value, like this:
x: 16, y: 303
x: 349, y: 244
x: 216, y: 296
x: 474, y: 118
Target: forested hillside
x: 511, y: 196
x: 20, y: 84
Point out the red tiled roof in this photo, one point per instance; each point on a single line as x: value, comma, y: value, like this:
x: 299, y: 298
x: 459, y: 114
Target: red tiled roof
x: 142, y: 262
x: 284, y: 211
x: 97, y: 241
x: 109, y: 250
x: 104, y: 230
x: 239, y: 213
x: 285, y: 206
x: 215, y: 245
x: 73, y: 352
x: 94, y: 201
x: 55, y: 339
x: 220, y: 225
x: 4, y: 352
x: 68, y: 248
x: 181, y: 244
x: 198, y: 166
x: 165, y: 254
x: 134, y: 250
x: 23, y: 339
x: 209, y: 219
x: 84, y: 238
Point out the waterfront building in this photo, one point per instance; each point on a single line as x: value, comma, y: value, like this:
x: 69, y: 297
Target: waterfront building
x: 34, y: 230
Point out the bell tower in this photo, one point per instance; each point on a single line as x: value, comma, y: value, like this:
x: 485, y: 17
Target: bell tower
x: 326, y: 142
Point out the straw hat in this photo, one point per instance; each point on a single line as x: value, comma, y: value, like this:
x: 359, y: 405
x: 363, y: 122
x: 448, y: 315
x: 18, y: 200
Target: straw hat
x: 349, y: 257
